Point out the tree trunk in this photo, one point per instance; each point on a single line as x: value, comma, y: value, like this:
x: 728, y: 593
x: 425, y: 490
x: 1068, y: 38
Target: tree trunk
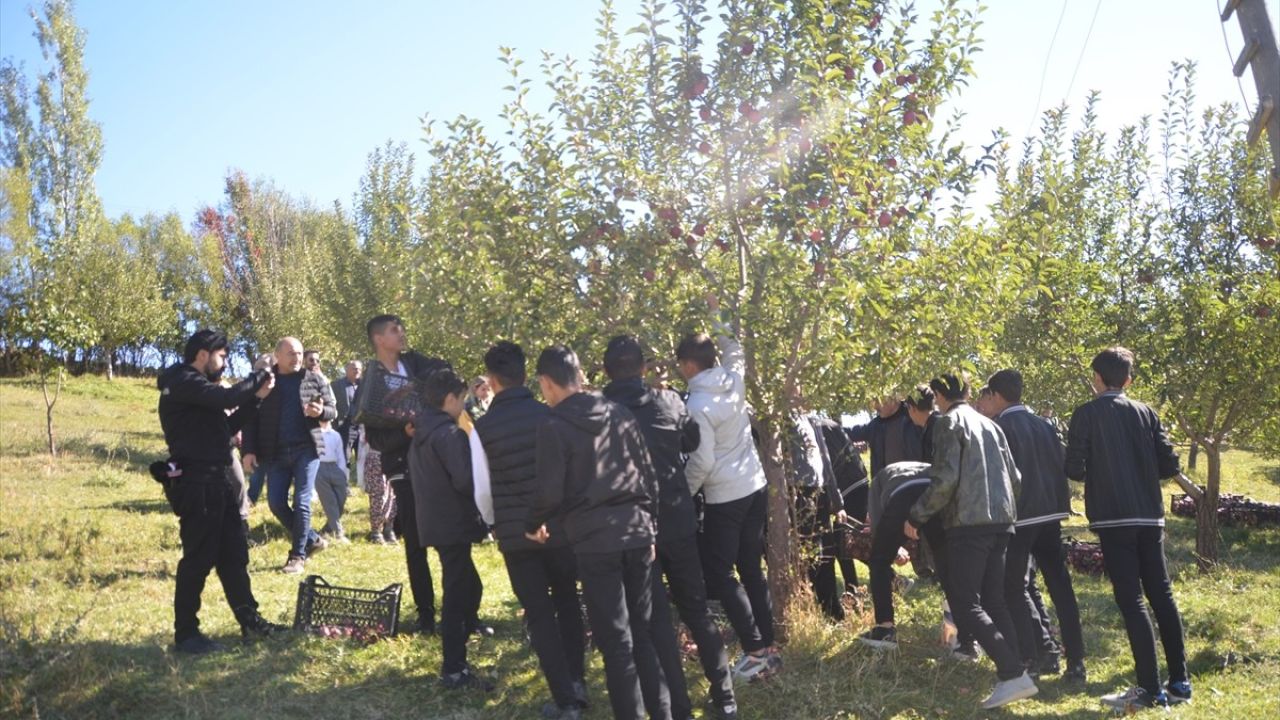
x: 778, y: 545
x: 1192, y: 455
x: 1207, y: 511
x: 110, y: 357
x: 49, y: 403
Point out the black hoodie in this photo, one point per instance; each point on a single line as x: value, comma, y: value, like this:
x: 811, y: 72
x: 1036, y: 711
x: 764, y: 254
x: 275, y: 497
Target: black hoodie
x: 443, y: 490
x: 193, y: 414
x: 669, y: 435
x: 594, y: 471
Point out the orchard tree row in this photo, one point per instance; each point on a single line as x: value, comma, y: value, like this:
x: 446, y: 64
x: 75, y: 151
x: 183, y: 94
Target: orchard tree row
x: 792, y: 158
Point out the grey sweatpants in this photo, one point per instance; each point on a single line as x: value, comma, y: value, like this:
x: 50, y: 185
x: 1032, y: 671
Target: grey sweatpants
x: 331, y: 486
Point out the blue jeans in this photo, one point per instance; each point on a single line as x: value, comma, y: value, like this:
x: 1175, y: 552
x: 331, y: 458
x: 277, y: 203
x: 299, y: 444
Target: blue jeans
x: 296, y: 465
x: 256, y: 481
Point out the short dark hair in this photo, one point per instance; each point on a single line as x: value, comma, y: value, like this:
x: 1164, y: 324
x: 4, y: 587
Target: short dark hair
x: 699, y: 349
x: 211, y: 340
x: 921, y: 398
x: 624, y: 358
x: 1008, y: 383
x: 560, y: 365
x: 951, y: 386
x: 505, y: 361
x: 1115, y: 365
x: 986, y: 392
x: 310, y: 352
x: 434, y: 388
x: 378, y: 324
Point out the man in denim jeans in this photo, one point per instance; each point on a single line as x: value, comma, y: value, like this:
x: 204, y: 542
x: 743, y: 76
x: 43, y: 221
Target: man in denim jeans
x: 286, y: 438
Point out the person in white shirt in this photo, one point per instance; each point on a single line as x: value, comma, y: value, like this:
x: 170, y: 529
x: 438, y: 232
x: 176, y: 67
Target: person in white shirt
x: 331, y: 482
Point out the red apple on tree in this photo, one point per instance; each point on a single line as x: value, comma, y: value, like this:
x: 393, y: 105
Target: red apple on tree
x: 647, y: 275
x: 878, y: 66
x: 747, y: 48
x: 705, y: 113
x: 704, y: 147
x: 885, y: 219
x: 700, y: 229
x: 909, y: 117
x: 815, y: 236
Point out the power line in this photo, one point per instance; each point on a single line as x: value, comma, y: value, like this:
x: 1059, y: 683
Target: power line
x: 1045, y: 71
x: 1231, y: 59
x: 1080, y: 59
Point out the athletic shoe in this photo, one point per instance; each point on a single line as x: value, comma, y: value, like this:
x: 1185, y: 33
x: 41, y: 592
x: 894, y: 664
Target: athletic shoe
x: 198, y: 644
x: 317, y: 546
x: 727, y: 712
x: 880, y: 638
x: 465, y: 680
x: 751, y: 667
x: 1178, y: 692
x: 259, y: 627
x: 377, y: 539
x: 1007, y: 691
x: 295, y: 565
x: 903, y: 584
x: 479, y: 629
x: 1075, y: 672
x: 1049, y: 663
x: 1135, y: 698
x: 967, y: 652
x: 390, y: 536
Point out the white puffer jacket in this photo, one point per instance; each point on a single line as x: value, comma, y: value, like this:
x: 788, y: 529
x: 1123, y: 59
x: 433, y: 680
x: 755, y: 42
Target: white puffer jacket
x: 725, y: 465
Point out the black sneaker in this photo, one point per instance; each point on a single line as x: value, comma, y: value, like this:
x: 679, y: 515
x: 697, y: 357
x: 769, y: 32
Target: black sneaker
x: 257, y: 626
x: 479, y: 629
x: 881, y: 638
x: 1075, y: 672
x: 377, y: 539
x: 1178, y: 692
x: 1134, y: 698
x: 389, y: 536
x: 1049, y: 663
x: 198, y: 644
x: 968, y: 652
x: 727, y: 712
x: 465, y: 680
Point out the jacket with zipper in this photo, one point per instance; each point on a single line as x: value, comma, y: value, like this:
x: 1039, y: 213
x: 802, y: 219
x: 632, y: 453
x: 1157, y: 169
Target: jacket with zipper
x: 973, y: 479
x: 261, y: 434
x: 846, y: 463
x: 1119, y: 450
x: 725, y: 466
x: 669, y: 435
x: 594, y: 472
x: 892, y: 480
x: 892, y: 439
x: 509, y: 434
x: 1044, y: 496
x: 443, y: 493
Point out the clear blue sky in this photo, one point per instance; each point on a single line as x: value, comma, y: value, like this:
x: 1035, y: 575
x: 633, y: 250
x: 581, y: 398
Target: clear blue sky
x: 301, y: 91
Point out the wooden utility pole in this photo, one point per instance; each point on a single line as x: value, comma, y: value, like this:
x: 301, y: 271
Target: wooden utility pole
x: 1260, y: 53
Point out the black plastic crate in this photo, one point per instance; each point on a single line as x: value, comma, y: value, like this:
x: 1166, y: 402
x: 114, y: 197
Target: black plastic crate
x: 386, y: 399
x: 323, y: 605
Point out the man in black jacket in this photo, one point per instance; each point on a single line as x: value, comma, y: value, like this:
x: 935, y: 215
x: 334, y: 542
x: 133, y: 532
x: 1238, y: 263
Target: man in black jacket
x: 390, y: 346
x: 594, y: 472
x: 817, y: 500
x: 1043, y: 503
x: 286, y: 437
x: 447, y: 518
x: 1119, y: 450
x: 201, y: 488
x: 890, y: 435
x: 544, y: 577
x: 669, y: 435
x: 851, y: 481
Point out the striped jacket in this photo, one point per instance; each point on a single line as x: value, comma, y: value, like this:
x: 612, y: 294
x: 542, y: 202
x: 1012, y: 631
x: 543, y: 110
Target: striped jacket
x: 1038, y: 453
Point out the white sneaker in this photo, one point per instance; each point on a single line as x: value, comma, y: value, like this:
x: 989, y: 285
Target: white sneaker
x: 750, y: 668
x: 1007, y: 691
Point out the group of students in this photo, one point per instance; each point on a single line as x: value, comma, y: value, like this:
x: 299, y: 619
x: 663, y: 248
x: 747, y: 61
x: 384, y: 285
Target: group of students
x: 989, y: 499
x: 597, y: 490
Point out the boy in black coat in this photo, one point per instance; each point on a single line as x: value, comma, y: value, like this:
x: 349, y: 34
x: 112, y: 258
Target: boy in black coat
x: 1118, y: 449
x: 594, y: 472
x: 447, y: 518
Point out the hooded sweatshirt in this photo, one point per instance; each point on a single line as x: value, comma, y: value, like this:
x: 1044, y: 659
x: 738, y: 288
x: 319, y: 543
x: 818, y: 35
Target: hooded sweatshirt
x: 594, y: 472
x: 725, y: 466
x: 440, y: 470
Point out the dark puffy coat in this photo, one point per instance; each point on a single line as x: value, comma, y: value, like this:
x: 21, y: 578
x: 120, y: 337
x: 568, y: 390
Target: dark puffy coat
x: 1118, y: 448
x: 443, y: 490
x: 509, y: 433
x: 594, y: 471
x: 393, y: 443
x: 261, y: 435
x: 1044, y: 496
x: 669, y: 435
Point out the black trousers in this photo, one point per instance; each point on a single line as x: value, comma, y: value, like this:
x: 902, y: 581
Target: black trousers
x: 1134, y: 559
x: 618, y: 589
x: 733, y: 537
x: 213, y: 538
x: 667, y: 647
x: 462, y: 594
x: 682, y: 566
x: 1043, y: 544
x: 415, y: 555
x: 813, y: 525
x: 546, y: 584
x: 855, y: 505
x: 886, y: 538
x: 975, y: 590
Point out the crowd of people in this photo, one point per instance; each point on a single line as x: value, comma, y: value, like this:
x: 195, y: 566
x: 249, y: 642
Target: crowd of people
x: 635, y: 497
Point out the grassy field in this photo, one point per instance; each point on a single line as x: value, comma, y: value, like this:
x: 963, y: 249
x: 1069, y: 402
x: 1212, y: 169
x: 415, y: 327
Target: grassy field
x: 88, y: 549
